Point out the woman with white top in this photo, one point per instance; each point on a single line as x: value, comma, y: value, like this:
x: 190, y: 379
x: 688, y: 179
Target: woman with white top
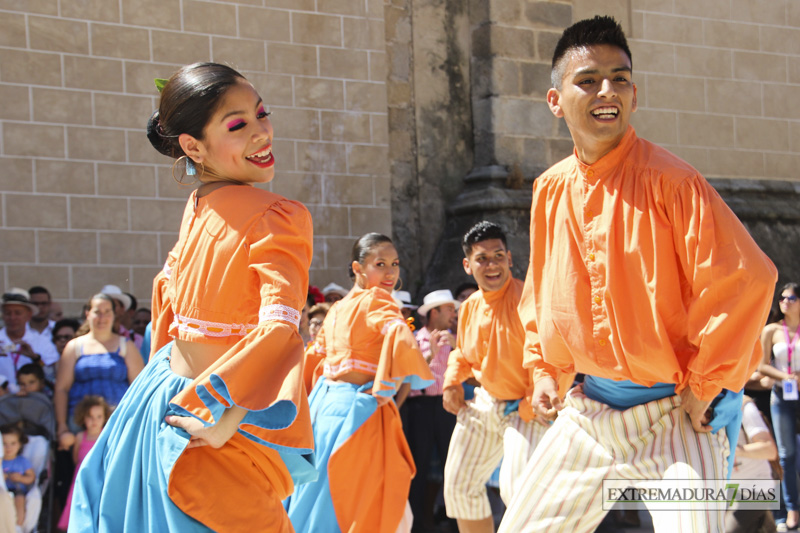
x: 781, y: 342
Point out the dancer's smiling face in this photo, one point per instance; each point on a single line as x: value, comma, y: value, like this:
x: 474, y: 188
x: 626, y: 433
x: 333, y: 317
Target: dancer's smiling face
x: 596, y: 98
x: 380, y: 268
x: 489, y: 263
x: 237, y: 141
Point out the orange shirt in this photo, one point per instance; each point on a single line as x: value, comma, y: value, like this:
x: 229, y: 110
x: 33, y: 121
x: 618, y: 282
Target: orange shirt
x: 365, y: 332
x: 640, y: 271
x: 238, y: 277
x: 489, y: 347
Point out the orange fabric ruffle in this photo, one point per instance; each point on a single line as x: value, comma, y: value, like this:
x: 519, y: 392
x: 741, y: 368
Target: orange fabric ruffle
x: 377, y: 453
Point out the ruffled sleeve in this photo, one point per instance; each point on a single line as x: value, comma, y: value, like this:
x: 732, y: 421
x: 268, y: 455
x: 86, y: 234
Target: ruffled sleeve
x: 263, y: 372
x: 401, y: 360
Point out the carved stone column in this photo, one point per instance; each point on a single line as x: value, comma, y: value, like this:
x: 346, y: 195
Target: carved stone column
x: 430, y: 122
x: 516, y: 136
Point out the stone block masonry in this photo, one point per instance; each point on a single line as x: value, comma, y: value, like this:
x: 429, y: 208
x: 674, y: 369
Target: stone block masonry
x: 85, y: 200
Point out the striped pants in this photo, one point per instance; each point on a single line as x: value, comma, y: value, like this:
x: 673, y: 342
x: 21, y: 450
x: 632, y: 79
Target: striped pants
x: 590, y: 442
x: 483, y: 436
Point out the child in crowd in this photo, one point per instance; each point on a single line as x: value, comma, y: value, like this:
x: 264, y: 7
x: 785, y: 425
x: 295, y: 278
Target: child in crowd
x: 17, y: 470
x: 91, y: 414
x: 30, y: 378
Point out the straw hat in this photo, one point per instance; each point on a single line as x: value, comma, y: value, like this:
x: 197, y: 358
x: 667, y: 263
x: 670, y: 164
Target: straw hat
x: 17, y: 296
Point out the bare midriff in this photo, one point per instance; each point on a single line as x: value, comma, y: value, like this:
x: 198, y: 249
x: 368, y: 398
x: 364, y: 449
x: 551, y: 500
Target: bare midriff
x: 357, y: 378
x: 190, y: 359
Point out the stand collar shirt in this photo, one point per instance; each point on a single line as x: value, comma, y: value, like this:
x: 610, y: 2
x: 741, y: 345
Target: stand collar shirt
x: 640, y: 271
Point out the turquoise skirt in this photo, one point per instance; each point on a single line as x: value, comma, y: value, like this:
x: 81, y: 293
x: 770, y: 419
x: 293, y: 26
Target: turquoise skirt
x: 337, y: 411
x: 122, y: 483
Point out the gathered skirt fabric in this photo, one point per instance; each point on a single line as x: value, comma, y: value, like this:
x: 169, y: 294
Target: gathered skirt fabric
x: 363, y: 462
x: 124, y: 482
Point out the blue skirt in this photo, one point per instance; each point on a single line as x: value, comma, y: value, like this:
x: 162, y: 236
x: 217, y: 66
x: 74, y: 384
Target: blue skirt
x: 122, y: 483
x: 337, y: 411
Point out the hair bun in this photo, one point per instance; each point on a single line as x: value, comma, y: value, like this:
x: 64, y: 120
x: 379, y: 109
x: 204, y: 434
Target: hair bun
x: 156, y: 137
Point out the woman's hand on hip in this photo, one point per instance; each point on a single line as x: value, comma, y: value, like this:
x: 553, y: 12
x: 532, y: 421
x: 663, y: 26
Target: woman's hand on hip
x: 215, y: 436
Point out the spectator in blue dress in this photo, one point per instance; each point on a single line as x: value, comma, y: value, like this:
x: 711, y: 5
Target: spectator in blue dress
x: 98, y: 362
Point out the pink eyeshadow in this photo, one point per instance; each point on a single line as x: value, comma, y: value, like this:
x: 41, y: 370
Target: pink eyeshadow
x: 233, y: 123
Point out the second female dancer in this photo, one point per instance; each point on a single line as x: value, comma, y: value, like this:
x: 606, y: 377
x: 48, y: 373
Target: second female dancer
x: 365, y: 351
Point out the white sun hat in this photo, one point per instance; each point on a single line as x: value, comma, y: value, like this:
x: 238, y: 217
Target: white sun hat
x: 116, y: 293
x: 435, y: 299
x: 333, y: 287
x: 404, y: 299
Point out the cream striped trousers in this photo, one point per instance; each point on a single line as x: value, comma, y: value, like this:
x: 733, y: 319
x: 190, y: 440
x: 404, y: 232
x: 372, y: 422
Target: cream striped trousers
x: 482, y: 437
x: 589, y: 442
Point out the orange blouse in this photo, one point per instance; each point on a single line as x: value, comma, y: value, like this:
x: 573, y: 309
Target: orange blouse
x: 639, y: 271
x: 238, y: 277
x: 365, y: 332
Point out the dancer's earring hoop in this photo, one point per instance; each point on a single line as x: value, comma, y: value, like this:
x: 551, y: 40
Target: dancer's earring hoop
x: 190, y: 170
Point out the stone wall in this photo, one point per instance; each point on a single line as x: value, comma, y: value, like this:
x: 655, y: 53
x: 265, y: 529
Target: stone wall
x: 714, y: 81
x: 85, y: 200
x: 410, y: 117
x: 430, y: 117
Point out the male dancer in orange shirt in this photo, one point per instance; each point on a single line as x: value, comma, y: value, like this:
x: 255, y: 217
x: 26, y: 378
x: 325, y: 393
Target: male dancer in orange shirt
x: 644, y: 280
x: 498, y: 423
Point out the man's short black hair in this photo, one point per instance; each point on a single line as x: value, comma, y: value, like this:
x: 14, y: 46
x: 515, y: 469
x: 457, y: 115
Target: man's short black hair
x: 482, y: 231
x: 464, y: 286
x: 32, y: 370
x: 38, y: 289
x: 589, y: 32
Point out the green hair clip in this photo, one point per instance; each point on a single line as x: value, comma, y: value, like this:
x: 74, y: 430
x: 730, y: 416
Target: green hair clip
x: 160, y: 83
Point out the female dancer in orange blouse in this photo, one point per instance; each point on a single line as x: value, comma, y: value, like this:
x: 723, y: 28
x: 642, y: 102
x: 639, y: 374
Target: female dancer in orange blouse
x: 365, y: 351
x: 215, y: 431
